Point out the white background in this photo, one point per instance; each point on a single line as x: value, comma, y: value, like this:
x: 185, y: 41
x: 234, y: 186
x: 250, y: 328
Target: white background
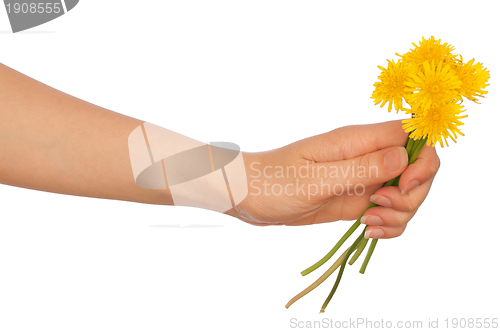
x: 261, y: 74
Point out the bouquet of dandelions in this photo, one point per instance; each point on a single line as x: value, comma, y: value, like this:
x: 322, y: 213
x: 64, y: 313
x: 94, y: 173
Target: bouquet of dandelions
x: 432, y: 80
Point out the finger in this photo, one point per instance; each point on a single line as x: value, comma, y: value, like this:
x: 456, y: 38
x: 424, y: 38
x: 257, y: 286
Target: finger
x: 425, y: 167
x: 353, y: 141
x: 387, y: 217
x: 367, y: 170
x: 391, y: 197
x: 380, y: 232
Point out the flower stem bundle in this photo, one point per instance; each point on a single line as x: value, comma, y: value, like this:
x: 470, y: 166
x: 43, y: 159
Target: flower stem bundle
x: 429, y: 82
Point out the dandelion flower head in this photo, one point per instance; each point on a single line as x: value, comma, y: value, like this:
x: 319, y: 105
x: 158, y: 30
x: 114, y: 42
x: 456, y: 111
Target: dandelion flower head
x: 391, y: 87
x: 433, y: 82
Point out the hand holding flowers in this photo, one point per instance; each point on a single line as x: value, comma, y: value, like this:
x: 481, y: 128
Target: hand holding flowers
x: 432, y: 82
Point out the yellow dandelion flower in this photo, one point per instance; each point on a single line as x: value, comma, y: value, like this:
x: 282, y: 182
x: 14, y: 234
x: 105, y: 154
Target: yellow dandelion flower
x: 391, y: 86
x: 437, y: 124
x: 474, y: 79
x: 432, y: 86
x: 429, y: 50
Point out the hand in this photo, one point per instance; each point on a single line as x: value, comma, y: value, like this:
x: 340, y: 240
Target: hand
x: 334, y: 176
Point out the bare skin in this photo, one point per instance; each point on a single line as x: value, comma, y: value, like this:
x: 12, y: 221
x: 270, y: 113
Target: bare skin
x: 358, y: 147
x: 54, y: 142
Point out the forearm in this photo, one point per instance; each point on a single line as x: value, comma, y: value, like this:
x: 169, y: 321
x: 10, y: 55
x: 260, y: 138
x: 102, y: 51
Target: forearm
x: 54, y: 142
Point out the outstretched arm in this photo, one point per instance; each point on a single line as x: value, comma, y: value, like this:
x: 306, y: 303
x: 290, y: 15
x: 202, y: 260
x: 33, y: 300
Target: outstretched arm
x: 54, y: 142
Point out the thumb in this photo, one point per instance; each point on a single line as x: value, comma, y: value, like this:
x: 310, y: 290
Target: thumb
x: 369, y: 169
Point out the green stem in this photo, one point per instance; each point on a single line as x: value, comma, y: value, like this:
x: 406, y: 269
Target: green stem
x: 416, y: 150
x: 337, y: 246
x: 396, y: 183
x: 334, y: 249
x: 413, y: 148
x: 359, y: 250
x: 409, y: 146
x: 368, y: 255
x: 344, y: 237
x: 341, y: 271
x: 390, y: 182
x: 318, y: 282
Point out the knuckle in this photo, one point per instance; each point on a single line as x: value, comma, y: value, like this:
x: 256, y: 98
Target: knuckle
x: 363, y: 163
x: 410, y: 205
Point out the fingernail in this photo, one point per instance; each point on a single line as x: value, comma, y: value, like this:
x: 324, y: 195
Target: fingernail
x: 412, y: 185
x: 375, y: 233
x: 395, y: 159
x: 371, y: 220
x: 380, y: 200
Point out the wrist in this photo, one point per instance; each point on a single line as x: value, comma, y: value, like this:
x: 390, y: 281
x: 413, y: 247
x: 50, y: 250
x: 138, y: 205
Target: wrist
x: 249, y: 209
x: 192, y: 173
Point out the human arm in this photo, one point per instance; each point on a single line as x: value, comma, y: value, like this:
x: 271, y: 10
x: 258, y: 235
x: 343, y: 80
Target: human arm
x: 55, y: 142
